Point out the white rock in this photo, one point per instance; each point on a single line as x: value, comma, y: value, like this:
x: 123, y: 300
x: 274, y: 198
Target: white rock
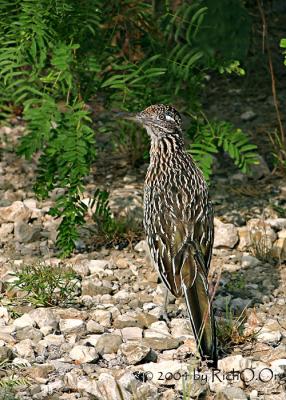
x: 134, y: 352
x: 55, y: 340
x: 141, y: 246
x: 5, y: 230
x: 122, y: 296
x: 4, y: 315
x: 103, y: 317
x: 25, y: 349
x: 83, y: 354
x: 71, y: 380
x: 181, y: 328
x: 132, y: 333
x: 156, y: 372
x: 282, y: 234
x: 225, y: 235
x: 128, y: 381
x: 91, y: 340
x: 16, y: 211
x: 248, y: 115
x: 238, y: 363
x: 51, y: 387
x: 277, y: 223
x: 44, y: 317
x: 234, y: 393
x: 105, y: 384
x: 24, y: 321
x: 268, y: 336
x: 71, y: 325
x: 280, y: 362
x: 96, y: 266
x: 47, y: 330
x: 253, y: 395
x: 94, y: 327
x: 158, y: 329
x: 249, y: 261
x: 259, y: 169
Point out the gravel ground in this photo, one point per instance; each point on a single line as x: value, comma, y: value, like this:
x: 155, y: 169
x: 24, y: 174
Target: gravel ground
x: 111, y: 341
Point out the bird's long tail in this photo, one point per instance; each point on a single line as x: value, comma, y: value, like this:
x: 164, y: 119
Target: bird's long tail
x: 195, y: 287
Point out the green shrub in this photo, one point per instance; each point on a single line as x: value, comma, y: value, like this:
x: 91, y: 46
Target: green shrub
x: 59, y: 60
x: 44, y: 285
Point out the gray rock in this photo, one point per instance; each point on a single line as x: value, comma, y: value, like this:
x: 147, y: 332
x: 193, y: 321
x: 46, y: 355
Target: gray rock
x: 181, y: 328
x: 232, y: 393
x: 158, y: 329
x: 132, y: 333
x: 25, y: 349
x: 5, y: 230
x: 249, y: 261
x: 269, y: 335
x: 103, y: 317
x: 5, y: 354
x: 4, y: 316
x: 123, y: 296
x: 16, y: 211
x: 129, y: 382
x: 94, y: 327
x: 104, y: 387
x: 141, y: 246
x: 97, y: 266
x: 40, y: 372
x: 260, y: 169
x: 277, y: 223
x: 238, y: 363
x: 226, y: 235
x: 32, y: 333
x: 134, y: 318
x: 108, y: 343
x: 93, y: 287
x: 44, y: 317
x: 72, y: 326
x: 25, y: 233
x: 134, y: 352
x: 159, y: 370
x: 248, y: 115
x: 25, y: 321
x: 83, y: 354
x: 167, y: 343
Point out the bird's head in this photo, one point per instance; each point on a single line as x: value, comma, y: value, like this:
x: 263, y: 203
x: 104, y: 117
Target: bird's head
x: 159, y: 120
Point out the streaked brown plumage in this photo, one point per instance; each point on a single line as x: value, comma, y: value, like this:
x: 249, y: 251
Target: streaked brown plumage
x: 178, y: 220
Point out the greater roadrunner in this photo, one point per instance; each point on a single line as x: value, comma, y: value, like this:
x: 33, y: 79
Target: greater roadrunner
x: 178, y: 219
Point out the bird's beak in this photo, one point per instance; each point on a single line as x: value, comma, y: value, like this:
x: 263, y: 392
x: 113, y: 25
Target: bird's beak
x: 127, y: 115
x: 140, y: 118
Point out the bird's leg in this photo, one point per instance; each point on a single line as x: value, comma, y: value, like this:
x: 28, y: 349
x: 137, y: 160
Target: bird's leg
x: 164, y: 315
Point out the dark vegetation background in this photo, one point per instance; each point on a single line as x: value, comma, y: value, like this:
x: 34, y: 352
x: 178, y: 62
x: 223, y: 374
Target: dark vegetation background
x: 67, y: 67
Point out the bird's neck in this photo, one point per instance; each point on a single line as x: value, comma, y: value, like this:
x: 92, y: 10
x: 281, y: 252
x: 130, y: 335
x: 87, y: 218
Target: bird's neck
x: 166, y: 147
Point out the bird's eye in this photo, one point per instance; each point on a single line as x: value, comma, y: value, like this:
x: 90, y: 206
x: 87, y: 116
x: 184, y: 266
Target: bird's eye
x: 169, y: 118
x: 161, y: 116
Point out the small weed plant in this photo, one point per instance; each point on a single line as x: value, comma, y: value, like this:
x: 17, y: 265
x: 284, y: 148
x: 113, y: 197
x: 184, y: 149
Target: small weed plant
x: 46, y: 286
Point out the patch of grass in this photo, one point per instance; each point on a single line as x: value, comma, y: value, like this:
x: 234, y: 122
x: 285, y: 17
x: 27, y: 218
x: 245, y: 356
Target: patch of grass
x: 230, y: 330
x: 236, y: 284
x: 45, y: 285
x: 10, y: 379
x: 260, y: 247
x: 120, y: 232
